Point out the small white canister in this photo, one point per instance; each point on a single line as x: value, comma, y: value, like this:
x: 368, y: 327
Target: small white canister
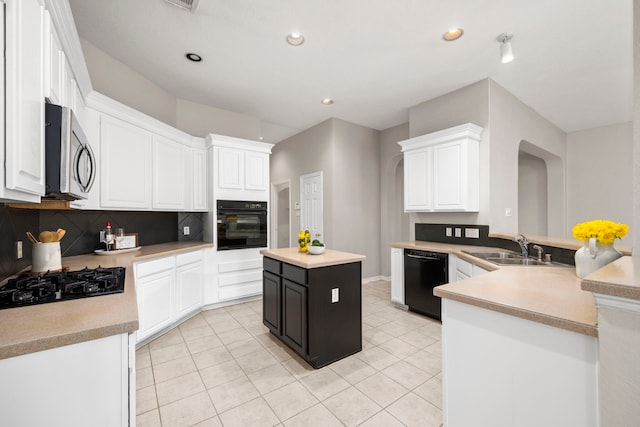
x: 46, y: 257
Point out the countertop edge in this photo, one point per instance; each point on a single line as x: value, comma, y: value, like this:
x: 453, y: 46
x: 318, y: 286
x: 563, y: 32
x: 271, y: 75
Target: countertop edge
x: 620, y: 279
x: 317, y: 261
x: 545, y: 319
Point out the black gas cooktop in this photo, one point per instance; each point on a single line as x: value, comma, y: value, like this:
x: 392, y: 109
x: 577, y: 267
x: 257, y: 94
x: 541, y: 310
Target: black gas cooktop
x: 61, y: 286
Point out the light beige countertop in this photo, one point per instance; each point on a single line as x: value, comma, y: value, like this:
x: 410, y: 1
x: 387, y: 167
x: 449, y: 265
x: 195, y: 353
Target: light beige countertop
x: 548, y: 295
x: 40, y: 327
x: 305, y: 260
x: 621, y: 278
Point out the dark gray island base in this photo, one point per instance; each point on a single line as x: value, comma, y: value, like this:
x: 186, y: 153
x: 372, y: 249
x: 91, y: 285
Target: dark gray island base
x: 316, y: 310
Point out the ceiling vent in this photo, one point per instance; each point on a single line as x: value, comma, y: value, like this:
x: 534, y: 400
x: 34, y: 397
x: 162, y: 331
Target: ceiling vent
x: 190, y: 5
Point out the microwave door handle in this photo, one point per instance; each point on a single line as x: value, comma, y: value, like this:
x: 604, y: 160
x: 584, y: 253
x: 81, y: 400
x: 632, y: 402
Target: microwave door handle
x: 90, y: 165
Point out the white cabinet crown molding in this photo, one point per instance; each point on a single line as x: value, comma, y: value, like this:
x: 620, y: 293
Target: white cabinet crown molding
x: 232, y: 142
x: 65, y: 27
x: 467, y: 130
x: 109, y: 106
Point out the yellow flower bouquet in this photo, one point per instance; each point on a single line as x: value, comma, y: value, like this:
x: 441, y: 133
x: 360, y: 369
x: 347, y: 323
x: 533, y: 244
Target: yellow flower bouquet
x: 604, y: 231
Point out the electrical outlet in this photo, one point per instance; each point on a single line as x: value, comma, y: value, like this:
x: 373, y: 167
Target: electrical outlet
x: 447, y: 231
x: 458, y: 232
x: 472, y: 233
x: 507, y: 212
x: 19, y: 249
x: 185, y: 230
x: 335, y: 295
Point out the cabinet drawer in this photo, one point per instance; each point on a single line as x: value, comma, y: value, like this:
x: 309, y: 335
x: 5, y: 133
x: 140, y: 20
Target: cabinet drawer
x: 272, y: 265
x: 188, y: 258
x: 295, y: 274
x: 150, y: 267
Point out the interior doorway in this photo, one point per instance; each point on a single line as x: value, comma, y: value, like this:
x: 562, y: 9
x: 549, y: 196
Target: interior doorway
x: 532, y: 195
x: 311, y: 204
x: 281, y: 215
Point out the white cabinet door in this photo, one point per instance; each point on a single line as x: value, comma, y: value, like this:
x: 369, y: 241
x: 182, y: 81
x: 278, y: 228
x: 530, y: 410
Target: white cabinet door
x: 230, y: 168
x: 170, y: 163
x: 478, y: 271
x: 54, y: 65
x: 256, y: 171
x: 125, y: 177
x: 155, y: 296
x: 199, y: 190
x: 417, y: 180
x: 189, y: 286
x: 93, y: 374
x: 24, y: 106
x: 441, y: 170
x: 397, y: 275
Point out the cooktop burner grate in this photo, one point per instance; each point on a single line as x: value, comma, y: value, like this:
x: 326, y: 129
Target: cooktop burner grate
x: 61, y: 286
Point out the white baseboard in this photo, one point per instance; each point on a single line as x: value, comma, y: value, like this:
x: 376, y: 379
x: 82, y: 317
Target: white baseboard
x: 375, y: 279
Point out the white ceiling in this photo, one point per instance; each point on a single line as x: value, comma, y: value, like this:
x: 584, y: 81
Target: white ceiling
x: 376, y: 58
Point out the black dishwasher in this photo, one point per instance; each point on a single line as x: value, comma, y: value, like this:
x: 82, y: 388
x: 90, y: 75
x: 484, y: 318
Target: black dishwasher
x: 423, y: 271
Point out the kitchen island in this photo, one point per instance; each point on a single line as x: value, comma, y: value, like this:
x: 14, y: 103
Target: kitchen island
x: 313, y: 303
x: 519, y: 345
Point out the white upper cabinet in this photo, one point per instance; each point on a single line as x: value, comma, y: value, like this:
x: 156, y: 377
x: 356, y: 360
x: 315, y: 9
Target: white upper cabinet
x: 54, y: 65
x: 199, y: 193
x: 170, y: 170
x: 24, y: 100
x: 125, y: 163
x: 241, y: 168
x: 441, y: 170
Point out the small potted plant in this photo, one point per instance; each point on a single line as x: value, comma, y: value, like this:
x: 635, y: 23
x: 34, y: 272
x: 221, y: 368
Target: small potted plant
x: 317, y: 247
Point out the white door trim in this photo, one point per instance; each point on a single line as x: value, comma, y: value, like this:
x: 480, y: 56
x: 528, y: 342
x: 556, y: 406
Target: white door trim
x: 273, y: 212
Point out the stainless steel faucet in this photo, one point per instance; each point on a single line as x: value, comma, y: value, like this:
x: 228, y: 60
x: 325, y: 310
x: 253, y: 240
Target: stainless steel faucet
x: 522, y: 240
x: 540, y: 251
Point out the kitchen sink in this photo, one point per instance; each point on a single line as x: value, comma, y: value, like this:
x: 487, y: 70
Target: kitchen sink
x: 512, y: 258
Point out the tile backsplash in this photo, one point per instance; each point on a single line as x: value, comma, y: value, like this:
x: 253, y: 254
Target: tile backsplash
x: 83, y: 228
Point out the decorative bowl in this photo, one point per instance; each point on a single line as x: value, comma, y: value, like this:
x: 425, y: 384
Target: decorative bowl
x: 315, y: 250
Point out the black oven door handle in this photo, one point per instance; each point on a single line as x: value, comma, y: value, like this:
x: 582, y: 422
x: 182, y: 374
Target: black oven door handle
x: 425, y: 258
x: 85, y: 149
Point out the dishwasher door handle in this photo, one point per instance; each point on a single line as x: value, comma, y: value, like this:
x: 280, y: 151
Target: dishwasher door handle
x: 428, y: 258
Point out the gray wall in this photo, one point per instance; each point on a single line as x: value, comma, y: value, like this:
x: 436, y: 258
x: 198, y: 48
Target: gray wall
x: 348, y: 156
x: 355, y: 212
x: 599, y: 170
x: 120, y: 82
x: 469, y: 104
x: 201, y: 120
x: 394, y: 223
x: 532, y: 195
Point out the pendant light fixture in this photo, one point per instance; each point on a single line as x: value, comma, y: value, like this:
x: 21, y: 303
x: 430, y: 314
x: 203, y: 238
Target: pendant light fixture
x: 506, y: 51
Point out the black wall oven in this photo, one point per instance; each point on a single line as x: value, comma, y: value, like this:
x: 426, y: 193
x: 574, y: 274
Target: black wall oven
x: 241, y: 224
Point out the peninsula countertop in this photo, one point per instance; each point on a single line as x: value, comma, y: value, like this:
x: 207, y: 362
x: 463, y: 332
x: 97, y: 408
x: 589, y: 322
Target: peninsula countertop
x: 620, y: 279
x: 548, y: 295
x: 41, y: 327
x: 305, y: 260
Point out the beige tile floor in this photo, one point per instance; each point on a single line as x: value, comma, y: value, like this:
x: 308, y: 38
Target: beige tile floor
x: 223, y: 368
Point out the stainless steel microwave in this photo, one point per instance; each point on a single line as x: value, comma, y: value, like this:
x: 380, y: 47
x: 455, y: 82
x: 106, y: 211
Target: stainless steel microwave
x: 70, y: 166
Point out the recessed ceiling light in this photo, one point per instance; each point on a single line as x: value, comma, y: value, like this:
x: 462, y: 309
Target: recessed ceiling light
x: 327, y: 101
x: 295, y: 39
x: 453, y: 34
x: 193, y: 57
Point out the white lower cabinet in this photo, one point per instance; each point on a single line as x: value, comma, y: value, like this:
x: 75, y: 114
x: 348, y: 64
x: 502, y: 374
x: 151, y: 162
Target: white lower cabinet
x: 189, y: 283
x: 169, y: 289
x: 397, y: 275
x: 83, y: 384
x: 155, y: 284
x: 459, y: 269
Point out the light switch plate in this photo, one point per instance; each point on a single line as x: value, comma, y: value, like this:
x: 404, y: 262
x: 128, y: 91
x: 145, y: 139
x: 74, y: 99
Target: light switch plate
x: 447, y: 231
x: 458, y: 232
x: 335, y: 295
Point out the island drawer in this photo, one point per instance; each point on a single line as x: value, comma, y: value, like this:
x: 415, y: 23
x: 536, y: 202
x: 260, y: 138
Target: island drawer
x: 272, y: 265
x: 295, y: 274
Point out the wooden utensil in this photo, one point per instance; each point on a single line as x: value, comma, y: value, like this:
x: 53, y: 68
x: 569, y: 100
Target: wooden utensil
x: 47, y: 236
x: 60, y: 234
x: 32, y: 237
